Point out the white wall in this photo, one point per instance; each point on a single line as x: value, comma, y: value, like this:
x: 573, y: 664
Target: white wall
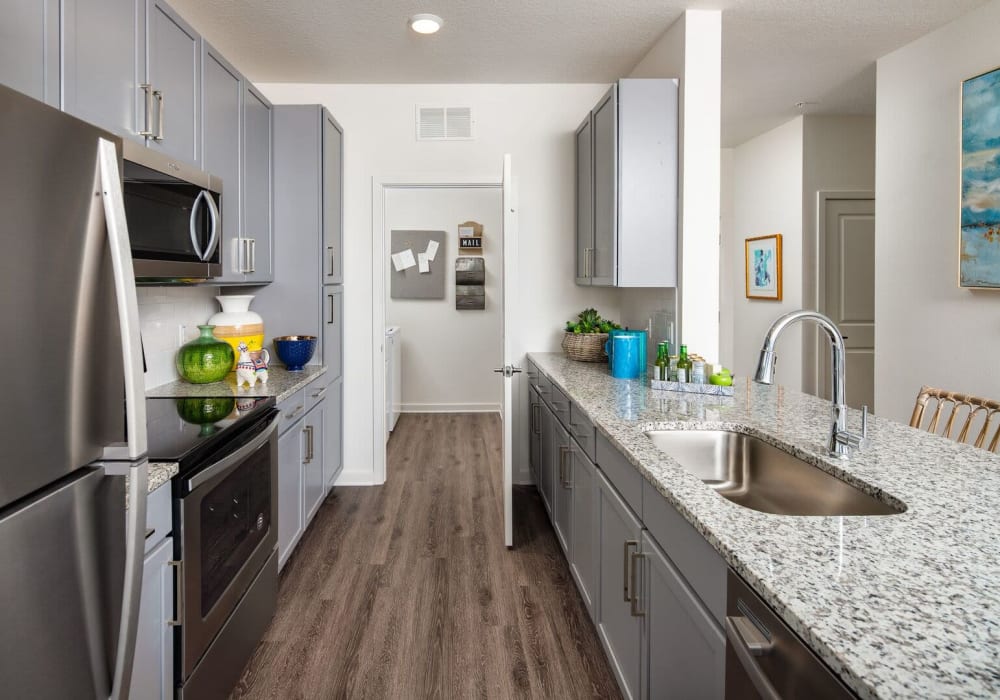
x: 448, y: 355
x: 929, y: 331
x: 534, y: 123
x: 168, y: 318
x: 691, y: 49
x: 730, y: 269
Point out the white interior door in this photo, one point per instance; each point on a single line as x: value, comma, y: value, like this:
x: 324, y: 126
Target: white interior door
x: 509, y: 369
x: 849, y: 273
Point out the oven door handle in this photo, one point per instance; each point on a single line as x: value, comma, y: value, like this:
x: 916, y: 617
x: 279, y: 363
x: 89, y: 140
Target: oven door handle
x: 231, y: 460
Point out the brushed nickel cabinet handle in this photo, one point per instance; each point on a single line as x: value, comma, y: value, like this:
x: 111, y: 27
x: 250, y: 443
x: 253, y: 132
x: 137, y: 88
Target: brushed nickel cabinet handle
x: 158, y: 94
x: 309, y: 444
x: 634, y: 606
x: 536, y: 418
x: 330, y: 321
x: 147, y: 127
x: 178, y: 567
x: 626, y: 569
x: 330, y: 260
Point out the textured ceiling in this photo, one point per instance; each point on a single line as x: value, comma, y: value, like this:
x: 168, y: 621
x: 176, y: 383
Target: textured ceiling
x: 775, y: 52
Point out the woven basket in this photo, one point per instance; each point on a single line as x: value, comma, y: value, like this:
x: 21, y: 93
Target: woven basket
x: 585, y: 347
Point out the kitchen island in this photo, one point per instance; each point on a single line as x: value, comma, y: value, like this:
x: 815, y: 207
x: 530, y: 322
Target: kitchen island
x: 899, y: 605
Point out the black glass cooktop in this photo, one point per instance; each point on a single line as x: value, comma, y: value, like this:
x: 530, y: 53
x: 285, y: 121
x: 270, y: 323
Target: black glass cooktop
x: 188, y: 430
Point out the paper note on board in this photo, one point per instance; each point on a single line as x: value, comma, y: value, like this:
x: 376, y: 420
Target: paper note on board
x: 403, y: 260
x: 432, y: 251
x: 423, y: 263
x: 466, y: 231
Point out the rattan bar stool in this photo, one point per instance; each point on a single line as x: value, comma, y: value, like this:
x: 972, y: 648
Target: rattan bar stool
x: 957, y: 408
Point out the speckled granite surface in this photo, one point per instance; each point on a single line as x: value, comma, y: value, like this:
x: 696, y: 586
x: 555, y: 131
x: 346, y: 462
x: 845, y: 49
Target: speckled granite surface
x: 899, y: 606
x: 280, y: 383
x: 160, y: 473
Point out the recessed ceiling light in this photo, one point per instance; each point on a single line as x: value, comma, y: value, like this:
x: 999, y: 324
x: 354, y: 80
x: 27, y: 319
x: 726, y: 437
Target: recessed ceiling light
x: 425, y: 24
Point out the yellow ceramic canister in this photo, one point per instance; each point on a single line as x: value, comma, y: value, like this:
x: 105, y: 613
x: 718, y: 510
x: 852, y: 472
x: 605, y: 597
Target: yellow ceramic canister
x: 236, y: 323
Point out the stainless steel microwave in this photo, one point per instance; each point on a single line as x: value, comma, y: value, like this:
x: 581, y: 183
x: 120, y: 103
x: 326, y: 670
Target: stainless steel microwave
x: 173, y: 214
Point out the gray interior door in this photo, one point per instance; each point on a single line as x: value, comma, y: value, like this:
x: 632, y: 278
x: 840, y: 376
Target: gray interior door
x: 29, y: 48
x: 65, y: 554
x: 849, y: 273
x: 584, y: 202
x: 104, y: 60
x: 333, y: 188
x: 222, y: 126
x: 174, y: 52
x: 605, y: 125
x: 257, y: 192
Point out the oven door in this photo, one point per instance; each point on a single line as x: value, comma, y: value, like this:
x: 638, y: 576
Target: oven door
x: 229, y: 516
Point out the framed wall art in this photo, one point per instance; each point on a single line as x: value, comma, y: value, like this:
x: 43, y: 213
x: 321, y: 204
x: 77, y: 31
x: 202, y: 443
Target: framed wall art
x: 763, y: 267
x: 979, y: 237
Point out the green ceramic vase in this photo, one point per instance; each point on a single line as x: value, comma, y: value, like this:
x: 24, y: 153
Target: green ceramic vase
x: 205, y: 359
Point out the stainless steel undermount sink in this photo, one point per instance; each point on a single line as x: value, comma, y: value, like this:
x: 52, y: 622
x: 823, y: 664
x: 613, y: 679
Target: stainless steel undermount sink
x: 757, y: 475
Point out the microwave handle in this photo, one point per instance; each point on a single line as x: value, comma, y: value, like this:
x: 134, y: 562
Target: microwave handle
x: 193, y: 225
x: 213, y: 211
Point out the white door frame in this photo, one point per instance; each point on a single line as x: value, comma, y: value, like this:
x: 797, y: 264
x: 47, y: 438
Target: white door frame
x: 379, y: 247
x: 810, y: 341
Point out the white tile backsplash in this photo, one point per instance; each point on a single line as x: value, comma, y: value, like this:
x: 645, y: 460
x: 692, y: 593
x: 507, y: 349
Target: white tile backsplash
x: 168, y: 318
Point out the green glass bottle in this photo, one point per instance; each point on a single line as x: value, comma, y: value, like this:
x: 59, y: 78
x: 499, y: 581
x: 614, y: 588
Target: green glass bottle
x: 683, y: 366
x: 662, y: 361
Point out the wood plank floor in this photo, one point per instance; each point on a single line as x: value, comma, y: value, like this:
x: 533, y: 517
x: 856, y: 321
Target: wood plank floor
x: 407, y: 591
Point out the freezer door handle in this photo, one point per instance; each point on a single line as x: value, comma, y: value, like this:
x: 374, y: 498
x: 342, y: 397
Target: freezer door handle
x: 132, y: 588
x: 128, y: 306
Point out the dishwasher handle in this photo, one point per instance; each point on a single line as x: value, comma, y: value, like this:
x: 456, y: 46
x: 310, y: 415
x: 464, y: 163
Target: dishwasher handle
x: 747, y: 642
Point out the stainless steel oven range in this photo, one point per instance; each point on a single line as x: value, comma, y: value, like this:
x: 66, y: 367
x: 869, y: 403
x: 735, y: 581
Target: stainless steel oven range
x: 225, y: 512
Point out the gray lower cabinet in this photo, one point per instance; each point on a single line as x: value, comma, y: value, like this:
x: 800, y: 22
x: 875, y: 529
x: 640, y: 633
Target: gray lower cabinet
x: 257, y: 195
x: 333, y: 200
x: 29, y: 48
x: 584, y: 549
x: 153, y: 668
x: 562, y: 487
x: 547, y: 466
x: 619, y: 624
x: 333, y: 433
x: 104, y: 60
x: 333, y: 331
x: 174, y: 74
x: 685, y: 649
x: 313, y: 485
x: 290, y: 520
x: 535, y: 433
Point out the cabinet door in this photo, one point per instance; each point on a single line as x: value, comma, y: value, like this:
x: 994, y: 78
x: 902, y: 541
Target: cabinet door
x: 584, y: 202
x: 562, y: 518
x: 153, y: 668
x: 333, y: 433
x: 312, y: 460
x: 174, y: 51
x: 685, y: 652
x: 605, y: 124
x: 257, y: 180
x: 620, y: 630
x: 534, y: 433
x: 333, y: 200
x: 29, y: 48
x: 547, y: 466
x: 333, y: 329
x: 289, y: 491
x: 104, y: 60
x: 583, y: 533
x: 222, y: 126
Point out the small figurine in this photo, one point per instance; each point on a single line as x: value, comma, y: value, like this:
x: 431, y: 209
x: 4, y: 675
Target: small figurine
x: 260, y: 360
x: 246, y: 370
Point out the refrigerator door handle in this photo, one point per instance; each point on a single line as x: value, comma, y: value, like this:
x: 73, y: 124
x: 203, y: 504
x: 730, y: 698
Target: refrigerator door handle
x: 128, y: 306
x: 138, y: 486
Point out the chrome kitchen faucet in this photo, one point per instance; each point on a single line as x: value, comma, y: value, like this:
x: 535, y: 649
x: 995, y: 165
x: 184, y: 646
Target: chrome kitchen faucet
x: 841, y: 440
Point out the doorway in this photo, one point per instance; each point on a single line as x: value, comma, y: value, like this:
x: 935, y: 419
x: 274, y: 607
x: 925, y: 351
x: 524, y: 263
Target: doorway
x: 846, y: 265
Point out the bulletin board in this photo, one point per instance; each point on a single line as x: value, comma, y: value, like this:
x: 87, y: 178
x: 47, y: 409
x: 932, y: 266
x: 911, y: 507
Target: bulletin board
x: 413, y: 251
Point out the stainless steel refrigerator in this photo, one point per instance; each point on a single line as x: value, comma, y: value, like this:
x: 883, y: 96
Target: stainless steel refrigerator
x: 72, y: 415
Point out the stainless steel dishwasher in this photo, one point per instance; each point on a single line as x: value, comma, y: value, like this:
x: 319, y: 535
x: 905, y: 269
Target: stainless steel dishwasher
x: 765, y: 659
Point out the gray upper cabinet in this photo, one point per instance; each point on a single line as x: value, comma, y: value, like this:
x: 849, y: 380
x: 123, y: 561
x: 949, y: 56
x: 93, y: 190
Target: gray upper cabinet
x: 222, y: 130
x: 584, y: 201
x: 629, y: 236
x: 104, y: 61
x: 29, y: 48
x: 173, y: 72
x: 333, y: 331
x: 333, y: 195
x: 257, y: 186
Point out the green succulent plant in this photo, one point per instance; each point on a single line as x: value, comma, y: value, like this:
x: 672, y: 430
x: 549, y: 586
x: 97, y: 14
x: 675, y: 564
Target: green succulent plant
x: 589, y: 321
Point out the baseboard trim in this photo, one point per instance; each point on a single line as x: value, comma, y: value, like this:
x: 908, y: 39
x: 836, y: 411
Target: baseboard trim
x: 449, y: 408
x: 355, y: 479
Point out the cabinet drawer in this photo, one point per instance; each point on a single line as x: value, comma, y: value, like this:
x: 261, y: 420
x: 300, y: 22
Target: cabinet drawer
x: 159, y: 522
x: 583, y: 430
x: 314, y: 393
x: 620, y: 472
x: 694, y: 557
x: 560, y: 404
x: 292, y: 408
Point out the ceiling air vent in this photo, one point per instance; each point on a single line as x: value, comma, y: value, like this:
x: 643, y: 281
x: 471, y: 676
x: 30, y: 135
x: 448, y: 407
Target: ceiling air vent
x: 444, y: 123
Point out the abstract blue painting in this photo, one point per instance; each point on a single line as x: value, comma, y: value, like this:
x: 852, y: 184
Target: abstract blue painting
x: 979, y: 259
x: 763, y: 267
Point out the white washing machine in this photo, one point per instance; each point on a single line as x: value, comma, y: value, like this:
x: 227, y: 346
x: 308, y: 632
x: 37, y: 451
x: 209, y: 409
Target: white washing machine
x: 393, y: 378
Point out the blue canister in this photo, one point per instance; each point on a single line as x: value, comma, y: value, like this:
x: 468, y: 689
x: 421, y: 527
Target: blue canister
x: 608, y: 346
x: 628, y: 354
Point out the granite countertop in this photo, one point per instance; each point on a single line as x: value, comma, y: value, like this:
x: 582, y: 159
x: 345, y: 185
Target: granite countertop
x: 280, y: 383
x: 161, y: 473
x: 903, y: 605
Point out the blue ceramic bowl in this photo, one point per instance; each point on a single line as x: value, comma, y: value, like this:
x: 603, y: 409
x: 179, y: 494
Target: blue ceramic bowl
x: 295, y: 350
